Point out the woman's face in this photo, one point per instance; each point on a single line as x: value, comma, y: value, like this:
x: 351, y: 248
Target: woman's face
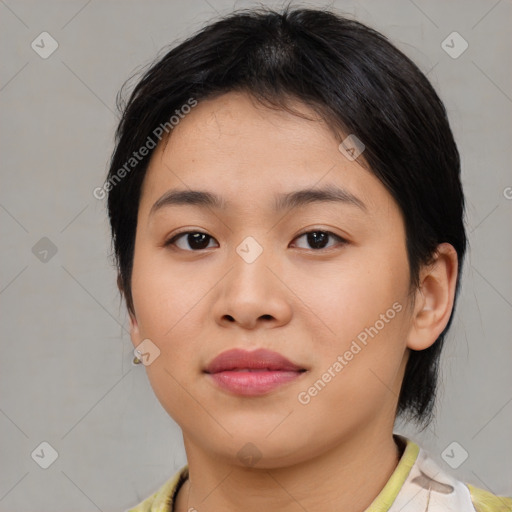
x: 334, y: 302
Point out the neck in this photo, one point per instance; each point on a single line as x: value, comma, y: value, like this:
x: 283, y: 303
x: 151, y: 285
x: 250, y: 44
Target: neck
x: 346, y: 477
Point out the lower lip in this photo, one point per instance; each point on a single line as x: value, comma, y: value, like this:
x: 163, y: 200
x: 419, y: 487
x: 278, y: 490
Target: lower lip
x: 253, y: 383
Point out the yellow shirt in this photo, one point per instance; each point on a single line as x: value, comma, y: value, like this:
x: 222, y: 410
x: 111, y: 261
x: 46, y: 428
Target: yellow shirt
x: 418, y: 484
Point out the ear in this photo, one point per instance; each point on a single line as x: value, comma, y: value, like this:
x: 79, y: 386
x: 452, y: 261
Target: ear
x: 434, y: 298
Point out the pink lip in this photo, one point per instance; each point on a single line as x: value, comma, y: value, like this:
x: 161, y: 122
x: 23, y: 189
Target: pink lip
x: 252, y: 373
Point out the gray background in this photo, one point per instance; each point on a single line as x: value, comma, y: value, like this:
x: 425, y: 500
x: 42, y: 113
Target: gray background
x: 66, y: 371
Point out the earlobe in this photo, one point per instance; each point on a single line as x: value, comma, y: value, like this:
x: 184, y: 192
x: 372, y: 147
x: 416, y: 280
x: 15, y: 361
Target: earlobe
x: 434, y: 298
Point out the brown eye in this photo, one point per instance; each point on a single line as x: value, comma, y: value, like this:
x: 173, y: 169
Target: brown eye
x: 195, y: 240
x: 318, y: 239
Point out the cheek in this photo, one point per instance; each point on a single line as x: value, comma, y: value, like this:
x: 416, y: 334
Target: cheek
x: 168, y: 304
x: 345, y: 297
x: 358, y: 375
x: 169, y: 310
x: 363, y: 309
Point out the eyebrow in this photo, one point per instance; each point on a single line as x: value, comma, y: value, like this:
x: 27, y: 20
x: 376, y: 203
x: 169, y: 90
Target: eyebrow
x: 286, y: 201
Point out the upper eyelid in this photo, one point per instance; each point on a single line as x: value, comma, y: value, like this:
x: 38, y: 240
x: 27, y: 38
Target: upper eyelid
x: 194, y: 231
x: 190, y: 231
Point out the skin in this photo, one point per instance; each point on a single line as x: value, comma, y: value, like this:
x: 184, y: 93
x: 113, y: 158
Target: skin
x: 337, y: 452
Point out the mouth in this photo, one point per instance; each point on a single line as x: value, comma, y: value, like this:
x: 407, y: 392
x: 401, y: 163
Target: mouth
x: 252, y: 373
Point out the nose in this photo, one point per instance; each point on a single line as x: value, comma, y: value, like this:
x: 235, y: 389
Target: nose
x: 252, y: 295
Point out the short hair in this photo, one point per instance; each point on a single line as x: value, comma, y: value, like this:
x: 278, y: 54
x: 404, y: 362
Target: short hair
x: 359, y: 83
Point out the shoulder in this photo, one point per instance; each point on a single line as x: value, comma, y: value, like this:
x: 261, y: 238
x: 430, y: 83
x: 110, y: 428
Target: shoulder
x: 484, y: 501
x: 162, y: 500
x: 424, y: 485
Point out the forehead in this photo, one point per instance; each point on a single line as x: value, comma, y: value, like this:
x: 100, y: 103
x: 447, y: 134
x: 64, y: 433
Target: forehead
x: 246, y: 152
x: 235, y: 125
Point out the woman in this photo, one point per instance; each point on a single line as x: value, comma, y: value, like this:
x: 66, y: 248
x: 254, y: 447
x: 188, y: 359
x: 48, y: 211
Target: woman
x: 287, y: 220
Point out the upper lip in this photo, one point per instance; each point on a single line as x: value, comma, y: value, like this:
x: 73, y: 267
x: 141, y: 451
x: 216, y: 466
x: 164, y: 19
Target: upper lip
x: 237, y: 359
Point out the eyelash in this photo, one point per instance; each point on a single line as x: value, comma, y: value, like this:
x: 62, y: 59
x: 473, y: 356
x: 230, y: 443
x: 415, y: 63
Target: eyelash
x: 175, y: 237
